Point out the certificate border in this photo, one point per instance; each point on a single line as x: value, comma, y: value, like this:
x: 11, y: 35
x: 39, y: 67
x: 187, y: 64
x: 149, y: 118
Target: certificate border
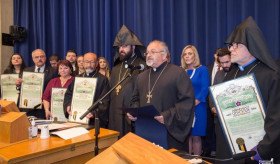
x: 41, y: 89
x: 10, y: 74
x: 95, y: 80
x: 220, y: 116
x: 56, y: 88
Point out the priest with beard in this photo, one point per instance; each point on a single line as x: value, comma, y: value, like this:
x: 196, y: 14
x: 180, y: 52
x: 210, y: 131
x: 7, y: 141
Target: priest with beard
x: 90, y: 64
x: 129, y: 50
x: 169, y: 89
x: 249, y: 50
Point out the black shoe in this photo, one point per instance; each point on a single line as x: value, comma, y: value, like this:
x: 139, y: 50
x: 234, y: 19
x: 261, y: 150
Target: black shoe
x: 205, y: 154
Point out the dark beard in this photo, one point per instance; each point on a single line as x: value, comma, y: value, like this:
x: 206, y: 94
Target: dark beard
x: 226, y: 69
x: 126, y: 56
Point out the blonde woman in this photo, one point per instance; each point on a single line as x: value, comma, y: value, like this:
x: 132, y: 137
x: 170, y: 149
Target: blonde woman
x: 200, y: 81
x: 104, y: 68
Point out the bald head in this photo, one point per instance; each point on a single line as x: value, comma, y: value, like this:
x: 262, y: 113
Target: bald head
x: 90, y: 62
x: 39, y: 57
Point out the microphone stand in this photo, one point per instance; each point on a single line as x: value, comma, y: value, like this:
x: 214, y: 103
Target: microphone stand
x: 93, y: 108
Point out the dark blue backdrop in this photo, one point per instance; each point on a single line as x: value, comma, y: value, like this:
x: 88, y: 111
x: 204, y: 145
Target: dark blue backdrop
x: 91, y: 25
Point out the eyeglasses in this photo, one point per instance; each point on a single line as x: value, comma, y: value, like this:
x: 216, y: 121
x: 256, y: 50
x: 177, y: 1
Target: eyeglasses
x: 152, y: 52
x: 233, y: 45
x: 89, y: 62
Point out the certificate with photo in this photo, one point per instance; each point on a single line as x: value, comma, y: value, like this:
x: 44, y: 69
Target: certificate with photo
x: 83, y: 95
x: 31, y: 90
x: 57, y: 104
x: 241, y: 112
x: 8, y: 87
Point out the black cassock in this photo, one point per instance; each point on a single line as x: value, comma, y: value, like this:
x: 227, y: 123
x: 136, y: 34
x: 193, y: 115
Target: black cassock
x: 268, y: 81
x: 117, y: 120
x: 172, y: 96
x: 101, y: 89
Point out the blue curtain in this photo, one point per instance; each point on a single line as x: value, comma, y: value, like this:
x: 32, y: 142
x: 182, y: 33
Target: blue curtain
x: 91, y: 25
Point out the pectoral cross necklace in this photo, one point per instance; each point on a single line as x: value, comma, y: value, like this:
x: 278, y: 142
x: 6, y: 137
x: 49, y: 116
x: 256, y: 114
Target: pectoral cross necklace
x: 119, y: 87
x: 149, y: 95
x: 248, y: 71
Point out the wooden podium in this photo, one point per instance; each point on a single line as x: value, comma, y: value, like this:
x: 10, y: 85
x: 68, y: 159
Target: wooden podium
x: 134, y: 149
x: 13, y: 124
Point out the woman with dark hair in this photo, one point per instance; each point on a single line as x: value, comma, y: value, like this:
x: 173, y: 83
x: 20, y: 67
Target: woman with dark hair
x: 65, y: 70
x: 16, y: 65
x: 103, y: 67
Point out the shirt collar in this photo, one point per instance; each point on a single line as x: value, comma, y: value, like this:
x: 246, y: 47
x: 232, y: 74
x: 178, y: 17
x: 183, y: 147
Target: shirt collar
x: 42, y: 69
x: 245, y: 65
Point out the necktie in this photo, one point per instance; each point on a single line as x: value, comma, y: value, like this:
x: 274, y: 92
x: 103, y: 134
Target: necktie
x: 219, y: 68
x: 38, y: 69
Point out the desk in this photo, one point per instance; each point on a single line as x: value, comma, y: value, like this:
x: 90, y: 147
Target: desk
x: 56, y: 150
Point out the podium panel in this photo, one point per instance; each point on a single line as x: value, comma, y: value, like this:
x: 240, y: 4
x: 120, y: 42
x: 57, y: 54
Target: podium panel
x: 8, y: 106
x: 14, y: 127
x: 134, y: 149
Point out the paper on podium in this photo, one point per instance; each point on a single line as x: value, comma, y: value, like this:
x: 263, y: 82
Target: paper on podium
x: 147, y: 127
x: 70, y: 133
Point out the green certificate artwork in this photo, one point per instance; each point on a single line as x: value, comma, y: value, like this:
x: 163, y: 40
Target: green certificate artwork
x: 241, y: 112
x: 31, y: 90
x: 57, y: 104
x: 8, y: 87
x: 83, y: 95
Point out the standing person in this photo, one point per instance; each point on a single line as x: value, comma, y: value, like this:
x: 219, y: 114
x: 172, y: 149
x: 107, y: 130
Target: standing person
x: 80, y: 62
x: 129, y: 49
x: 71, y: 56
x: 224, y: 59
x: 65, y: 71
x: 102, y: 87
x: 200, y: 81
x: 249, y: 50
x: 39, y: 59
x: 169, y: 92
x: 16, y: 65
x: 54, y: 59
x: 104, y: 68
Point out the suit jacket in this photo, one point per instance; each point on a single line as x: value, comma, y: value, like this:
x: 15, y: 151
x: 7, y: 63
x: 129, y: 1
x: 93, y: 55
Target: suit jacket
x: 49, y: 72
x: 210, y: 69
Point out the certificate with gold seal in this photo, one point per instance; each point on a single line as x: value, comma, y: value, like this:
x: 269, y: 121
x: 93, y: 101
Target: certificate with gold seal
x: 57, y: 104
x: 8, y: 87
x: 82, y: 99
x: 31, y: 90
x: 241, y: 112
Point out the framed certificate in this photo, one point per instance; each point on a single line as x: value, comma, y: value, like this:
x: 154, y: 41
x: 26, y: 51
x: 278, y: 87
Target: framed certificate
x: 83, y: 95
x: 8, y: 87
x: 241, y: 112
x: 31, y: 90
x: 57, y: 104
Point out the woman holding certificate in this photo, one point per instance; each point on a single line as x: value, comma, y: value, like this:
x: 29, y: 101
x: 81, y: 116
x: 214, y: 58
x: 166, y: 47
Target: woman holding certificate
x: 16, y: 65
x: 200, y: 81
x: 65, y: 70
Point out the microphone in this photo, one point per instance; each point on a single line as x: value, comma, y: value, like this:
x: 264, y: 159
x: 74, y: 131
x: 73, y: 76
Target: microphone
x: 243, y: 155
x: 141, y: 67
x: 36, y: 106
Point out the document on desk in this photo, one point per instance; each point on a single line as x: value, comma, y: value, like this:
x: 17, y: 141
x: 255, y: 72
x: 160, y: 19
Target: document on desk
x: 71, y: 133
x: 8, y: 89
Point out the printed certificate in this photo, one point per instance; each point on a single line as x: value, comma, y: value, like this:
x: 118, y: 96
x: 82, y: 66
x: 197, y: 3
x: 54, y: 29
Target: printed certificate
x: 8, y: 87
x: 83, y: 95
x: 31, y: 90
x: 57, y: 104
x: 241, y: 112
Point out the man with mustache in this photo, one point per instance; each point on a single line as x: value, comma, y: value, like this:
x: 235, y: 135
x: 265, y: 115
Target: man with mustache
x: 90, y: 64
x: 129, y: 50
x: 39, y: 59
x: 169, y: 89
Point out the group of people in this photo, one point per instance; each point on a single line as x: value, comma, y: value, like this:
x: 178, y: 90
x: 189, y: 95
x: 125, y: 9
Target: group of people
x: 179, y: 93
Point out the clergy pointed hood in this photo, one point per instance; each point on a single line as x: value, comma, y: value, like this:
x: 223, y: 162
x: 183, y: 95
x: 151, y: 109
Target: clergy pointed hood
x: 126, y: 37
x: 249, y: 34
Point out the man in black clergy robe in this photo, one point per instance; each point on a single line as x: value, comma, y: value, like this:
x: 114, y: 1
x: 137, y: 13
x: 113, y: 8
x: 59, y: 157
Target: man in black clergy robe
x: 102, y: 87
x: 129, y: 52
x: 249, y: 50
x: 171, y: 93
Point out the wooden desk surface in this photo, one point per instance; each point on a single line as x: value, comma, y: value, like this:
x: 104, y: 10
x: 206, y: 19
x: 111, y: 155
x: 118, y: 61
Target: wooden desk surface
x: 39, y: 148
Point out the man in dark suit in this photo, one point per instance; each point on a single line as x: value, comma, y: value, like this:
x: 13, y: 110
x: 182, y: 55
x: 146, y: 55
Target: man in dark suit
x: 39, y: 59
x: 225, y: 62
x: 209, y: 140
